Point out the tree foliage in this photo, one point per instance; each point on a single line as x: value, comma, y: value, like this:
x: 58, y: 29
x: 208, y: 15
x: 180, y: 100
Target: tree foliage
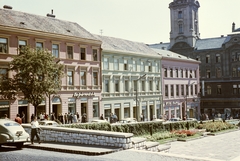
x: 36, y: 75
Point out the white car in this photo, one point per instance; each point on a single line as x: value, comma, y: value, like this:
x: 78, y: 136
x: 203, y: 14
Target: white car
x: 99, y: 121
x: 48, y: 123
x: 12, y: 133
x: 127, y: 120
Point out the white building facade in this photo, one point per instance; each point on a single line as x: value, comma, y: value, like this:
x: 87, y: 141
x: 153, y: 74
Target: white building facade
x: 131, y: 79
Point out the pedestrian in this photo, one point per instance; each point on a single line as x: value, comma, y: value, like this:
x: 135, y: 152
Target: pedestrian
x: 101, y: 117
x: 111, y: 118
x: 141, y: 116
x: 75, y: 118
x: 35, y: 130
x: 78, y: 117
x: 6, y: 116
x: 23, y: 117
x: 32, y: 117
x: 65, y: 118
x: 18, y: 119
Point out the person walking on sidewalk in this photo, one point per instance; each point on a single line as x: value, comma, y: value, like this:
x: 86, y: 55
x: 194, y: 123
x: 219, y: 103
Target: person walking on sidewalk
x: 35, y: 130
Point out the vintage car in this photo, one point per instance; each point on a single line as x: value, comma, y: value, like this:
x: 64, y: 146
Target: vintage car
x: 12, y: 133
x: 127, y: 120
x: 99, y: 121
x: 48, y: 123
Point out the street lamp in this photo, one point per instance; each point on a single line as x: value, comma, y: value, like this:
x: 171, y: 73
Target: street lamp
x: 137, y: 90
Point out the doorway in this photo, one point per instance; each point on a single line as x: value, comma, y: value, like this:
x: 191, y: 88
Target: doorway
x: 23, y: 109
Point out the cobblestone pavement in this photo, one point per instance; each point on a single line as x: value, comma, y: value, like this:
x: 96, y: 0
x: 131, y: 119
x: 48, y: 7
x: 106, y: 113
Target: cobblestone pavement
x: 223, y: 147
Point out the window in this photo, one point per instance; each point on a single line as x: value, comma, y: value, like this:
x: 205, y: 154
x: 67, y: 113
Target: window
x: 218, y: 72
x: 143, y: 85
x: 234, y: 89
x: 21, y: 45
x: 172, y: 90
x: 187, y: 86
x: 196, y: 91
x: 95, y: 78
x: 55, y: 50
x: 83, y: 78
x: 157, y: 67
x: 177, y: 90
x: 191, y: 89
x: 39, y: 45
x: 238, y: 56
x: 135, y: 85
x: 105, y: 65
x: 3, y: 73
x: 95, y: 109
x: 157, y: 85
x: 209, y: 90
x: 180, y: 28
x: 234, y: 56
x: 166, y: 90
x: 186, y: 73
x: 182, y: 90
x: 171, y: 72
x: 180, y: 15
x: 165, y: 72
x: 116, y: 85
x: 234, y: 72
x: 126, y: 85
x: 238, y: 71
x: 125, y: 66
x: 3, y: 45
x: 106, y: 85
x: 239, y: 89
x: 176, y: 71
x: 70, y: 52
x: 142, y: 67
x: 116, y: 64
x: 134, y: 65
x: 208, y: 59
x: 181, y: 73
x: 149, y: 66
x: 198, y: 58
x: 70, y: 78
x: 94, y: 52
x: 83, y: 53
x: 208, y: 72
x: 219, y: 89
x: 150, y: 85
x: 218, y: 58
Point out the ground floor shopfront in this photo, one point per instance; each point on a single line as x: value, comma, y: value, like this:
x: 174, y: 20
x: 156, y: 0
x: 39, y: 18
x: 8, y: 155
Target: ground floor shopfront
x: 64, y: 102
x: 177, y: 108
x: 127, y: 108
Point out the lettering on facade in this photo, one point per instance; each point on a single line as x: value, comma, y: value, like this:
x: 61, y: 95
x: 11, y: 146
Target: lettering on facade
x: 82, y: 94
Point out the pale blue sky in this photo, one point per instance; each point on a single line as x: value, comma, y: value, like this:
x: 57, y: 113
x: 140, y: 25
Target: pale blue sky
x: 145, y: 21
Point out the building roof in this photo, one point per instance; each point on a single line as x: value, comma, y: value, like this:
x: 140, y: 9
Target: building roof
x: 122, y: 45
x: 170, y: 54
x: 201, y: 44
x: 28, y: 21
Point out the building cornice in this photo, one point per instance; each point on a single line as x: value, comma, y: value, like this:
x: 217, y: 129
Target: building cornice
x: 48, y: 35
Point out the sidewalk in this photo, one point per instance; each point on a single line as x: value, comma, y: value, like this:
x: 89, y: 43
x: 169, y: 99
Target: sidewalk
x: 73, y: 148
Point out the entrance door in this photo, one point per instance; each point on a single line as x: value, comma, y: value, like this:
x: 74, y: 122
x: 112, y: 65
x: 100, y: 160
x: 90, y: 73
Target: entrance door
x: 23, y: 109
x: 83, y: 108
x: 117, y: 113
x: 135, y: 113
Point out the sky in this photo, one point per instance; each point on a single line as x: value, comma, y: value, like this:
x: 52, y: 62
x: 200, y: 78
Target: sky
x: 146, y: 21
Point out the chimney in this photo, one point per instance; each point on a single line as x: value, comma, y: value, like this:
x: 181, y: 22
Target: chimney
x: 51, y: 15
x: 233, y: 27
x: 7, y: 7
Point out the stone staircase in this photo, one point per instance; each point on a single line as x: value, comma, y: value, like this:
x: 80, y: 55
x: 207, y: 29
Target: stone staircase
x: 142, y: 144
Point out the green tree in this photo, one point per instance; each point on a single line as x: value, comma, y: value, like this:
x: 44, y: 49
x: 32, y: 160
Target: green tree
x: 37, y: 75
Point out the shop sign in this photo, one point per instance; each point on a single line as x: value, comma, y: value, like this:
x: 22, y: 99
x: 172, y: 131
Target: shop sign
x: 82, y: 94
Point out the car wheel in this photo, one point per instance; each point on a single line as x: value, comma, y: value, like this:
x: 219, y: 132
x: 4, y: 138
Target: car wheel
x: 19, y: 145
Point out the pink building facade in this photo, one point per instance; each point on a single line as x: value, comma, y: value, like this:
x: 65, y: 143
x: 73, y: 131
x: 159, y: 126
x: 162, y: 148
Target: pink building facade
x: 180, y: 85
x: 73, y: 46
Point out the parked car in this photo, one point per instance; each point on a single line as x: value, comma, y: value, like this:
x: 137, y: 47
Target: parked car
x: 158, y: 120
x: 12, y: 133
x: 48, y: 123
x: 175, y: 119
x: 128, y: 120
x: 99, y: 121
x: 191, y: 119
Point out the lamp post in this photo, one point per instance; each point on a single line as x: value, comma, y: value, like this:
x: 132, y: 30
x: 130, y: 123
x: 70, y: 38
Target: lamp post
x: 137, y: 90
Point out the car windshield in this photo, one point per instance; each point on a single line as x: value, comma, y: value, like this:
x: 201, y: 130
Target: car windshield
x: 41, y: 123
x: 11, y: 124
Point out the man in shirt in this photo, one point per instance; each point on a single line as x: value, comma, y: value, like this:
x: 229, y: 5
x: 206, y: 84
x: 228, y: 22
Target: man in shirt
x: 35, y: 130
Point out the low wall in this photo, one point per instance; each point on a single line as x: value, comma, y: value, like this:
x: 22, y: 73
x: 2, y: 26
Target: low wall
x: 82, y: 136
